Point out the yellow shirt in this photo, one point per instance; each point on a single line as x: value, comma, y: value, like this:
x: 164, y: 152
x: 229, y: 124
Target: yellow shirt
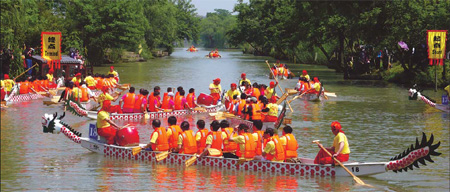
x: 102, y: 97
x: 273, y: 109
x: 8, y: 84
x: 316, y: 86
x: 209, y: 138
x: 212, y: 85
x: 75, y: 80
x: 447, y: 89
x: 270, y: 149
x: 50, y: 77
x: 2, y: 84
x: 248, y: 81
x: 306, y: 77
x: 90, y: 81
x: 101, y: 119
x: 340, y: 137
x: 169, y: 132
x: 269, y: 92
x: 283, y: 140
x: 198, y: 136
x: 231, y: 93
x: 114, y: 73
x: 154, y: 138
x: 76, y: 92
x: 241, y: 140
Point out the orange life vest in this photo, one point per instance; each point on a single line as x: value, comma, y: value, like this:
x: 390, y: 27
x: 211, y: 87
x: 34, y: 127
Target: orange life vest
x: 84, y: 95
x: 259, y: 142
x: 291, y: 146
x: 151, y: 104
x: 129, y: 101
x: 138, y: 103
x: 279, y: 150
x: 241, y: 106
x: 178, y: 102
x: 173, y: 139
x: 37, y: 85
x: 229, y: 146
x: 202, y: 143
x: 191, y: 99
x: 165, y: 103
x: 256, y: 115
x: 189, y: 143
x: 216, y: 141
x: 249, y: 149
x: 256, y: 93
x: 24, y: 87
x: 162, y: 143
x: 99, y: 83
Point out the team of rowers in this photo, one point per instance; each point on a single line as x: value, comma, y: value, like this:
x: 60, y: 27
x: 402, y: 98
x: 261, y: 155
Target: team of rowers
x: 281, y: 70
x: 214, y: 54
x: 192, y: 49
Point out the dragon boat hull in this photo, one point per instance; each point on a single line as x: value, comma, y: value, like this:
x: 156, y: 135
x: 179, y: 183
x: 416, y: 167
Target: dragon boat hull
x: 421, y: 152
x: 23, y: 97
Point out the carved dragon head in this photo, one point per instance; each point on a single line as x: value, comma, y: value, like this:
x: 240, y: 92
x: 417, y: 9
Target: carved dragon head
x: 51, y: 123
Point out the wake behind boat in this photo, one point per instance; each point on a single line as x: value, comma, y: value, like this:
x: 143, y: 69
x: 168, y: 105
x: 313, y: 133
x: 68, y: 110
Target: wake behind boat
x: 415, y: 154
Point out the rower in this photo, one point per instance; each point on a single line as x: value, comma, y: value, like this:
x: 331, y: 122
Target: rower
x: 154, y: 102
x: 272, y: 111
x: 168, y: 102
x: 181, y: 102
x: 82, y: 93
x: 140, y: 106
x: 179, y: 88
x: 214, y: 140
x: 316, y: 87
x: 229, y: 146
x: 302, y: 85
x: 289, y: 143
x: 128, y: 101
x: 246, y: 141
x: 253, y: 110
x: 9, y: 83
x: 150, y: 97
x: 186, y: 140
x: 106, y: 96
x: 257, y: 125
x: 273, y: 150
x: 305, y: 75
x: 270, y: 92
x: 230, y: 95
x: 114, y: 73
x: 105, y: 127
x: 241, y: 105
x: 216, y: 90
x: 50, y: 75
x: 340, y: 148
x: 255, y: 92
x: 244, y: 78
x: 77, y: 79
x: 172, y: 132
x: 158, y: 139
x: 200, y: 136
x: 90, y: 81
x: 67, y: 92
x: 191, y: 99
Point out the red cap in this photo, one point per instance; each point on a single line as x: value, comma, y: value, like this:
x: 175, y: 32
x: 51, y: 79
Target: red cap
x: 243, y: 75
x: 272, y: 84
x: 217, y: 80
x: 112, y: 67
x: 6, y: 76
x: 316, y: 79
x: 304, y: 72
x: 50, y: 71
x: 233, y: 85
x: 78, y: 74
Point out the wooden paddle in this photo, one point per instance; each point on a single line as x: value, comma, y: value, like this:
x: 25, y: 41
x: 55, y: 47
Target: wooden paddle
x: 163, y: 155
x: 190, y: 161
x: 25, y: 71
x: 296, y: 97
x: 268, y: 65
x: 241, y: 161
x: 136, y: 150
x: 357, y: 180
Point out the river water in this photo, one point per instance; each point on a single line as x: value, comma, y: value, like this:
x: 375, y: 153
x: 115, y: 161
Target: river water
x: 379, y: 121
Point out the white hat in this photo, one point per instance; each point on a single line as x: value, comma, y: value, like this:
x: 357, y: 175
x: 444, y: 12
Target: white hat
x: 170, y: 94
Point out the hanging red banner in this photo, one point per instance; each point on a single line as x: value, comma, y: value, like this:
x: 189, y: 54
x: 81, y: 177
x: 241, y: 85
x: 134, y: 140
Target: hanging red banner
x: 51, y: 48
x: 436, y: 40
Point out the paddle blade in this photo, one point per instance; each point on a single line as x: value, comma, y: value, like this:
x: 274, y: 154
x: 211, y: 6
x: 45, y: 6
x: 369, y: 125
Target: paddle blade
x: 241, y: 161
x: 214, y: 152
x: 162, y: 156
x: 136, y: 150
x: 191, y: 161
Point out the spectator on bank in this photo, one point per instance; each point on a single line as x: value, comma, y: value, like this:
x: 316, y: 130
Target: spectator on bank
x: 6, y: 57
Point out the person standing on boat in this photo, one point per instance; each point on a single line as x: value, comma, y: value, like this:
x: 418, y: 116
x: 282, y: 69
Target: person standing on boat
x: 246, y: 141
x: 128, y: 101
x: 244, y: 78
x: 114, y: 73
x: 158, y: 139
x: 216, y: 90
x: 229, y: 146
x: 289, y: 143
x: 105, y: 127
x: 200, y: 136
x: 340, y: 148
x: 173, y: 132
x: 214, y: 141
x: 186, y: 140
x: 270, y: 93
x: 273, y: 149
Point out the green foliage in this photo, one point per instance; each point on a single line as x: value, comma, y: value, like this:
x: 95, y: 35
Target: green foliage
x: 214, y: 28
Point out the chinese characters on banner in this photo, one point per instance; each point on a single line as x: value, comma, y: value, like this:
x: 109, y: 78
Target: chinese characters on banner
x: 436, y: 46
x: 51, y: 48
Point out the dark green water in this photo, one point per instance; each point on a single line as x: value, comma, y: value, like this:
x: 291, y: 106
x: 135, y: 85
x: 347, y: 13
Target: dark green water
x: 379, y: 121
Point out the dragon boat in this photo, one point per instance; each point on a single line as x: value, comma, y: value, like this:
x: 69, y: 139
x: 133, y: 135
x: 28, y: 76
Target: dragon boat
x: 407, y: 160
x: 77, y: 109
x: 14, y: 97
x: 416, y: 95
